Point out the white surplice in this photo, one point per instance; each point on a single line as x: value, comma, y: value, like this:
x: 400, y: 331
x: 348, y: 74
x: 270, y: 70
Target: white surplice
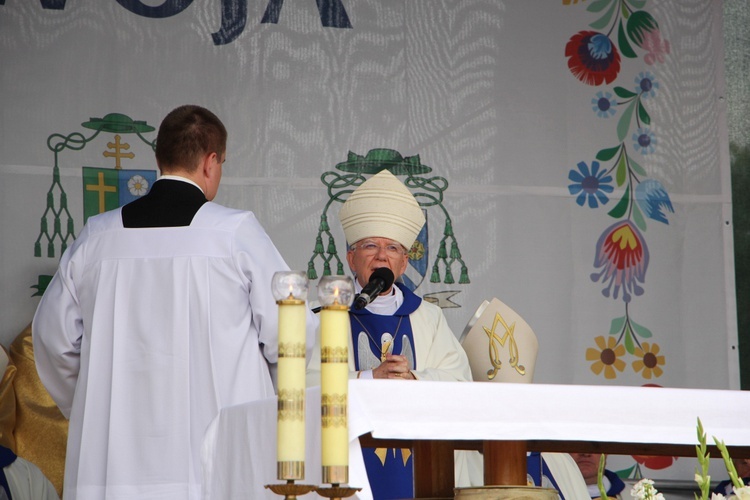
x: 143, y: 335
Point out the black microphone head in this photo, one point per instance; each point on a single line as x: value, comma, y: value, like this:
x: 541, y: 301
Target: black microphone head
x: 385, y: 274
x: 381, y: 279
x: 360, y: 302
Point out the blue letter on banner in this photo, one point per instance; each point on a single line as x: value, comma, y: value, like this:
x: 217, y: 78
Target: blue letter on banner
x: 168, y: 9
x: 48, y: 4
x: 233, y: 19
x: 332, y: 13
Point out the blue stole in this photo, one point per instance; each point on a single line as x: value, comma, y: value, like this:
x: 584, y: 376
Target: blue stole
x: 7, y: 457
x: 389, y: 471
x: 616, y: 485
x: 537, y: 468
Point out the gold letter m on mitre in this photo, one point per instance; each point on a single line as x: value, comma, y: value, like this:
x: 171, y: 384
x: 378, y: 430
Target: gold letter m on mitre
x: 494, y: 350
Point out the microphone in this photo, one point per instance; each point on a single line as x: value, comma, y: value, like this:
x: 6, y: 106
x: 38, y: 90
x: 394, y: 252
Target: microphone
x: 381, y: 279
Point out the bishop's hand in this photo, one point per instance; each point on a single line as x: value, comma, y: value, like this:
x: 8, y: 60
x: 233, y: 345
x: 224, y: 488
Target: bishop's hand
x: 394, y: 366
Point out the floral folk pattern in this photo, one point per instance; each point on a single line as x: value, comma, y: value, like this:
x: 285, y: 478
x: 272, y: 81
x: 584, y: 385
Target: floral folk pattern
x: 623, y: 29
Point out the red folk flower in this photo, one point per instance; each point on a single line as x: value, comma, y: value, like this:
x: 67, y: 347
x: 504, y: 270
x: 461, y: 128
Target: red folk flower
x: 592, y: 58
x: 654, y: 462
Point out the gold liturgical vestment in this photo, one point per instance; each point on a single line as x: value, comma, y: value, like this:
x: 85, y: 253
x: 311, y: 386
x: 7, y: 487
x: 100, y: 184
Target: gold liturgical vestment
x: 39, y: 430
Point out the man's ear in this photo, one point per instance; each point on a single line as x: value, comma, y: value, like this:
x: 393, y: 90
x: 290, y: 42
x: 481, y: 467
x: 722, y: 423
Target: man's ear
x: 208, y: 165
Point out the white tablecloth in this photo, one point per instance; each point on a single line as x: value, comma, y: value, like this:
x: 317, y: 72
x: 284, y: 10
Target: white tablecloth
x: 482, y: 410
x: 240, y: 445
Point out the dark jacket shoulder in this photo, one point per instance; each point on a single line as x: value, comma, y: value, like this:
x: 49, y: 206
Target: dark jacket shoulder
x: 169, y: 203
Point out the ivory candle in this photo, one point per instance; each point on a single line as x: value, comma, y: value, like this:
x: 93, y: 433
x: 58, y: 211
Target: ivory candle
x: 334, y: 378
x: 290, y: 433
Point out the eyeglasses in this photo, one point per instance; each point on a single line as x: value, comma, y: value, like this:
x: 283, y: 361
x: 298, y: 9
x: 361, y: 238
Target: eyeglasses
x: 372, y: 248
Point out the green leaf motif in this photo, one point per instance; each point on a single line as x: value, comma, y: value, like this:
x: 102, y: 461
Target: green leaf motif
x: 623, y: 126
x: 599, y: 5
x: 607, y: 154
x: 616, y: 326
x: 622, y: 41
x: 622, y: 170
x: 640, y: 23
x: 641, y: 330
x: 637, y: 168
x: 642, y: 114
x: 638, y: 218
x: 624, y: 93
x: 625, y: 473
x: 637, y: 4
x: 629, y: 346
x: 603, y: 21
x: 622, y: 205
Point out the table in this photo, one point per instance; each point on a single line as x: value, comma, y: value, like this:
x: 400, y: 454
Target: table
x: 436, y: 417
x: 505, y: 420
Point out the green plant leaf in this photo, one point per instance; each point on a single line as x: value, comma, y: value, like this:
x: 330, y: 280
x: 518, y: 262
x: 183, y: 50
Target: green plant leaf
x: 622, y: 171
x: 616, y: 326
x: 622, y: 205
x: 641, y: 330
x: 624, y: 93
x: 600, y: 474
x: 640, y: 23
x: 598, y: 5
x: 637, y: 168
x: 622, y: 41
x: 603, y: 21
x: 638, y: 218
x: 643, y: 114
x: 607, y: 154
x: 623, y: 125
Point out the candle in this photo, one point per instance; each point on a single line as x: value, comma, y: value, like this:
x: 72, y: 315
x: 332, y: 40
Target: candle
x: 335, y: 294
x: 290, y: 291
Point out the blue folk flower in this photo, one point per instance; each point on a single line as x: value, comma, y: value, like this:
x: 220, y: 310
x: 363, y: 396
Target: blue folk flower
x: 653, y: 200
x: 644, y: 141
x: 646, y: 84
x: 590, y: 184
x: 604, y: 104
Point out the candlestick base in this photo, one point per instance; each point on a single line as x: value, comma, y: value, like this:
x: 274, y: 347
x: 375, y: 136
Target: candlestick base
x: 291, y: 490
x: 336, y: 492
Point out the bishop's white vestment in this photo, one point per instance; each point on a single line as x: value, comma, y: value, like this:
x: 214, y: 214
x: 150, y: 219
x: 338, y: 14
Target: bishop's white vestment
x: 144, y: 334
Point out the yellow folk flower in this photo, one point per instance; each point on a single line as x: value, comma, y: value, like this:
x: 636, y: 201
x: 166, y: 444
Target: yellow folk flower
x: 607, y: 357
x: 649, y: 361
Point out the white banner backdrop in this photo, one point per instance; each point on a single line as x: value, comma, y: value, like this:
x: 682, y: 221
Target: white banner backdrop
x: 490, y: 95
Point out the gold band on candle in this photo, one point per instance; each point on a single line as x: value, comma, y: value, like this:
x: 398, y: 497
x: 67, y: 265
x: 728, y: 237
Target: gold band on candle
x: 335, y: 474
x: 291, y: 404
x: 333, y: 410
x: 334, y: 354
x: 291, y: 470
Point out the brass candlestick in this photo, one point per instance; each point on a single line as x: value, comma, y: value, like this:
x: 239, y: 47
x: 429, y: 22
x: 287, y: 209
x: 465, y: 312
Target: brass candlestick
x: 290, y: 490
x: 336, y: 491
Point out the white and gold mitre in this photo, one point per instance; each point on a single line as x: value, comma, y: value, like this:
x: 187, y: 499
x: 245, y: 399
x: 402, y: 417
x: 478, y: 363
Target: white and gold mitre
x: 382, y: 207
x: 500, y: 345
